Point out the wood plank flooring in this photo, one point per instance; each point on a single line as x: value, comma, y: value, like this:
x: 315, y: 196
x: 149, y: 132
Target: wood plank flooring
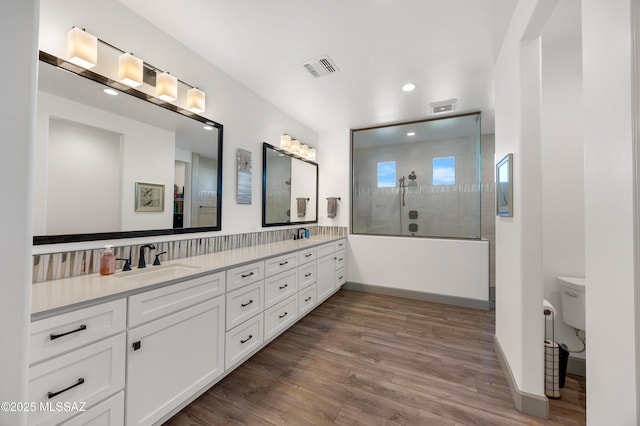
x: 366, y: 359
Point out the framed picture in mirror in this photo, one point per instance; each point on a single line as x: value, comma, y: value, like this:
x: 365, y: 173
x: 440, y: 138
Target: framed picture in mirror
x: 504, y: 186
x: 149, y: 197
x: 244, y: 177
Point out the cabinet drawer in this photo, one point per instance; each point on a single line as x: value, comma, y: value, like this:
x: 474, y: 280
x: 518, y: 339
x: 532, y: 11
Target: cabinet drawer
x: 281, y: 263
x: 153, y: 304
x: 280, y: 286
x: 243, y: 275
x: 89, y: 374
x: 306, y: 299
x: 306, y: 275
x: 243, y: 340
x: 65, y: 332
x: 107, y: 413
x: 341, y: 257
x: 325, y: 249
x: 279, y: 317
x: 244, y: 303
x: 341, y: 244
x: 307, y: 255
x: 341, y: 277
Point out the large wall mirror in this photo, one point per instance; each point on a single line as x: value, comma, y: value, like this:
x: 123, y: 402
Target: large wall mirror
x: 289, y: 188
x: 119, y: 166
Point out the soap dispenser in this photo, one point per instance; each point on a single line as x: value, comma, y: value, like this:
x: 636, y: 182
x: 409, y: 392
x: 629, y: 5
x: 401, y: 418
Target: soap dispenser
x: 107, y: 261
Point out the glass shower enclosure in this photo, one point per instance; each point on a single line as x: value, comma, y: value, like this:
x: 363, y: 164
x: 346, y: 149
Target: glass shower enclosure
x: 420, y: 179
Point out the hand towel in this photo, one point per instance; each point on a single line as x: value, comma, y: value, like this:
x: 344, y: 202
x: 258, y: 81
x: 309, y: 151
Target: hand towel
x: 332, y: 207
x: 302, y: 207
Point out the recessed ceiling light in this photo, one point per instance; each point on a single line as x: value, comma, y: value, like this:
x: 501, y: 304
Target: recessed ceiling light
x: 408, y: 87
x: 111, y: 92
x: 207, y: 127
x: 411, y: 134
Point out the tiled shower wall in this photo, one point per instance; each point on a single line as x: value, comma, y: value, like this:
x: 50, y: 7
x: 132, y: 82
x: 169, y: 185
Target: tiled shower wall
x: 70, y: 264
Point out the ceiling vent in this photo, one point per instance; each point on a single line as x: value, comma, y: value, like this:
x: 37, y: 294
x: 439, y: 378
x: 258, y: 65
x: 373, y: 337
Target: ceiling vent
x: 321, y: 66
x: 443, y: 106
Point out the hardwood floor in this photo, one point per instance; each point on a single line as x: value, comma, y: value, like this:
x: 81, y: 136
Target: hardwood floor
x: 366, y: 359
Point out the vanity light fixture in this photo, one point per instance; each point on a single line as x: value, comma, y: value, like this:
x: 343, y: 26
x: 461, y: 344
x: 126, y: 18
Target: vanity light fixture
x: 195, y: 100
x: 408, y: 87
x: 82, y: 48
x: 295, y: 146
x: 304, y: 150
x: 311, y: 155
x: 166, y: 87
x: 285, y: 142
x: 130, y: 70
x: 111, y: 92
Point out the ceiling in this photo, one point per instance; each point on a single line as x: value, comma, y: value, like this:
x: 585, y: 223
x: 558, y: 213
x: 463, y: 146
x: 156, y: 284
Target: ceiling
x: 446, y: 47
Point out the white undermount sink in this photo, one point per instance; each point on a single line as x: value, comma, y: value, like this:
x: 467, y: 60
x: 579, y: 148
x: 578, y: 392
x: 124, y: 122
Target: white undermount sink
x: 157, y: 273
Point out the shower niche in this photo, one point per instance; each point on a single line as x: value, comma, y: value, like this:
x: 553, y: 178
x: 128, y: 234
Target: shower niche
x: 432, y: 178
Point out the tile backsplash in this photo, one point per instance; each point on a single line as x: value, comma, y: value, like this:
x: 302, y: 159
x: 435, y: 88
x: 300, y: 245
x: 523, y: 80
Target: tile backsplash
x: 73, y: 263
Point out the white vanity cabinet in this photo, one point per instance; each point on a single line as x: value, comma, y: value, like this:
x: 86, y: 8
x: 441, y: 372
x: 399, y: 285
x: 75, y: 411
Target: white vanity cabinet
x: 178, y: 353
x: 77, y: 357
x: 330, y: 269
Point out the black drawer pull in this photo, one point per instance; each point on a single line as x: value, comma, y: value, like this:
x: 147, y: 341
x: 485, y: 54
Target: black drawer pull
x: 283, y: 315
x: 307, y: 275
x: 55, y: 336
x: 283, y: 287
x: 284, y: 263
x: 136, y: 345
x: 340, y: 277
x: 54, y: 394
x: 307, y: 299
x: 308, y: 255
x: 244, y: 305
x: 246, y: 275
x: 247, y: 339
x: 341, y: 259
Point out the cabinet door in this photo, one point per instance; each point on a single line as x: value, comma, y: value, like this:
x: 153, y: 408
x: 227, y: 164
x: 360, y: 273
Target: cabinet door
x: 172, y: 358
x: 325, y: 277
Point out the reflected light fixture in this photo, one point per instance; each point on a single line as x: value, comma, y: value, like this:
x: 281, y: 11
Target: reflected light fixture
x: 207, y: 127
x: 111, y: 92
x: 130, y: 70
x: 311, y: 155
x: 408, y: 87
x: 166, y: 87
x: 295, y: 146
x: 285, y: 142
x: 195, y: 100
x: 82, y: 48
x: 411, y: 134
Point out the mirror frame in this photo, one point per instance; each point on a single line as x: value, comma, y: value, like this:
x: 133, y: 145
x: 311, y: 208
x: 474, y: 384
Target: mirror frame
x: 73, y: 238
x: 266, y: 146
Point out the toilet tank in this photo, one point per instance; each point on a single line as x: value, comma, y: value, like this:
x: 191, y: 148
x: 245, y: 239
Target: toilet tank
x: 572, y: 293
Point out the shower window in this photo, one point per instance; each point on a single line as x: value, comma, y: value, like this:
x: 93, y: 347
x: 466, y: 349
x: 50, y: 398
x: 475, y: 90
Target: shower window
x: 431, y: 189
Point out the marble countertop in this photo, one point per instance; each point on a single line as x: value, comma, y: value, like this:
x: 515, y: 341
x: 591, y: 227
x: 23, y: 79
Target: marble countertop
x: 56, y: 296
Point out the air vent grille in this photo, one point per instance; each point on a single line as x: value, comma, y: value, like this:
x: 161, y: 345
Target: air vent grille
x: 443, y: 106
x: 321, y: 66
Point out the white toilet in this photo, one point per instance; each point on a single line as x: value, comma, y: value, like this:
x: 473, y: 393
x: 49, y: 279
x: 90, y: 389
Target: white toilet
x: 572, y: 291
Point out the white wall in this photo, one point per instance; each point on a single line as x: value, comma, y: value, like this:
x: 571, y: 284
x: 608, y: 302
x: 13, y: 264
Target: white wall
x: 18, y: 39
x: 562, y: 158
x: 140, y: 142
x: 612, y: 391
x: 248, y: 119
x: 519, y: 290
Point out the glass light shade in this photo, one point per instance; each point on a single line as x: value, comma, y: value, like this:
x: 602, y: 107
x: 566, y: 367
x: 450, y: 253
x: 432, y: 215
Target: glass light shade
x: 82, y: 48
x: 285, y: 142
x: 130, y: 70
x: 304, y: 150
x: 195, y: 100
x: 295, y: 146
x: 166, y: 87
x: 311, y: 155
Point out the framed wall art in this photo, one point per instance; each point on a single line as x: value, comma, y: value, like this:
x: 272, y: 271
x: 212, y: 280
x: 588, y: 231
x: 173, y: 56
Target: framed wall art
x: 149, y: 197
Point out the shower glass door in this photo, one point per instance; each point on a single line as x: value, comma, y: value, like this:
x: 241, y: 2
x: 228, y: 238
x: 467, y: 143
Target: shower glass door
x: 420, y: 179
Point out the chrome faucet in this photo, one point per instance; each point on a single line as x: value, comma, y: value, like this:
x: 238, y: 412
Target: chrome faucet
x: 141, y: 262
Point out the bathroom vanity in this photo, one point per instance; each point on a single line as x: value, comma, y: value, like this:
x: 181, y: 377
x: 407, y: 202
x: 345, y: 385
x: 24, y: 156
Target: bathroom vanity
x: 136, y: 347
